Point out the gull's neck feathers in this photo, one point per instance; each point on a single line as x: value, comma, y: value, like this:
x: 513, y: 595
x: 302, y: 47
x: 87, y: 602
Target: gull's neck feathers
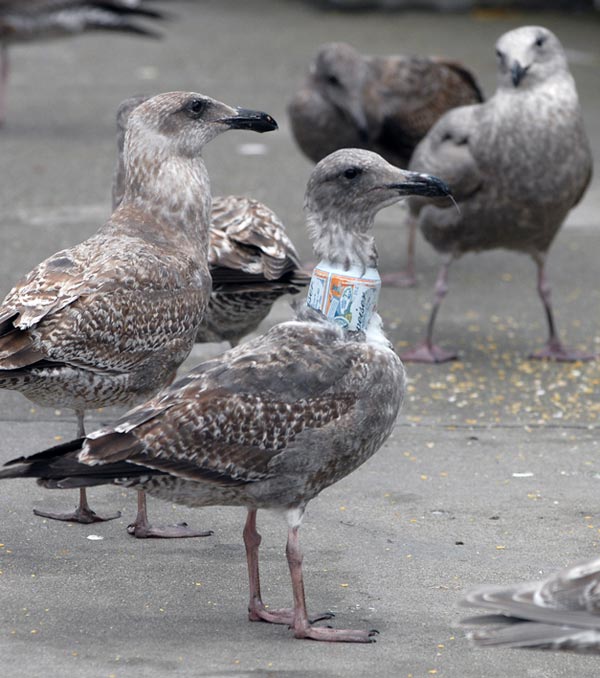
x: 171, y: 188
x: 346, y: 240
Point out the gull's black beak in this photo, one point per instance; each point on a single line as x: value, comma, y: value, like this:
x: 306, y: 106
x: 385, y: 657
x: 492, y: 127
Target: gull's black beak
x: 422, y: 184
x: 517, y: 73
x: 257, y: 121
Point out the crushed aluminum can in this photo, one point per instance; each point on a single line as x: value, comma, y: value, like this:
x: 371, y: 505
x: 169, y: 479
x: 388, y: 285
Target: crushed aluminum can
x: 347, y: 297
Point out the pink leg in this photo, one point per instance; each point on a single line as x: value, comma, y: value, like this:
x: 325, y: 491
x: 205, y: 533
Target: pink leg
x: 407, y: 278
x: 428, y: 352
x: 83, y: 513
x: 4, y: 68
x: 302, y: 626
x: 554, y: 348
x: 142, y: 529
x: 256, y: 608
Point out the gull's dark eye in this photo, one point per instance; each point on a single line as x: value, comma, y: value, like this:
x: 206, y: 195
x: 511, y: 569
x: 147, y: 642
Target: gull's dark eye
x: 540, y: 40
x: 352, y: 172
x: 333, y: 80
x: 500, y: 55
x: 196, y: 107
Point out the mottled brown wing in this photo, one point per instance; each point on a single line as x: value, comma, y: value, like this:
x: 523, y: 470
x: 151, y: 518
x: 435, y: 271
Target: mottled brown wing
x: 100, y: 304
x: 230, y: 417
x: 463, y: 79
x: 49, y: 287
x: 249, y: 239
x: 218, y: 436
x: 415, y: 92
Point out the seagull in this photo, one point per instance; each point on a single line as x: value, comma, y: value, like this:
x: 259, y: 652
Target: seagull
x: 561, y: 612
x: 30, y: 20
x: 110, y: 320
x: 273, y: 422
x: 252, y: 263
x: 516, y: 164
x: 251, y: 258
x: 384, y: 103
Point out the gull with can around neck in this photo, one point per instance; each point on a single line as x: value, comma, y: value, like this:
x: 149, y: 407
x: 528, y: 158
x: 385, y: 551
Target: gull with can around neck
x: 341, y: 222
x: 272, y: 422
x: 109, y: 321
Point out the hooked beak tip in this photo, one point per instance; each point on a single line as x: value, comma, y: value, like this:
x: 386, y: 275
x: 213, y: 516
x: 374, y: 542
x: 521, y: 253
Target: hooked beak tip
x: 425, y: 185
x: 247, y: 119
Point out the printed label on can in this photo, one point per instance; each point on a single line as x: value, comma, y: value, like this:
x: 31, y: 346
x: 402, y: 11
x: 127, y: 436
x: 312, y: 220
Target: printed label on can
x: 344, y: 296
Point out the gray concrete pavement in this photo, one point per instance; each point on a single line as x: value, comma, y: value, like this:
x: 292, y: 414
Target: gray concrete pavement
x: 443, y: 506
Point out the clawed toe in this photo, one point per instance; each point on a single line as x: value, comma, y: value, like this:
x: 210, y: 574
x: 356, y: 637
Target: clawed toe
x: 322, y: 617
x: 331, y: 635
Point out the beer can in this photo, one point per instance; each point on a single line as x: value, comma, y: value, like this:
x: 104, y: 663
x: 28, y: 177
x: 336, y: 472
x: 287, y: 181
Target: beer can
x: 347, y: 297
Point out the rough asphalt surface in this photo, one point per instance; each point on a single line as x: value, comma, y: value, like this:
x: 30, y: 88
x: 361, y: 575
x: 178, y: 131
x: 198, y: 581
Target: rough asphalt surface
x: 493, y: 471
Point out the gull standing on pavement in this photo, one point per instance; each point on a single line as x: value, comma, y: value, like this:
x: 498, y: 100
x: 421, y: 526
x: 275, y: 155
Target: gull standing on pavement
x: 273, y: 422
x: 110, y: 320
x: 516, y: 165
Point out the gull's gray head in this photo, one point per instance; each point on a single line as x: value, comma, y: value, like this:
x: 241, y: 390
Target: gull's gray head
x: 344, y: 193
x: 340, y: 73
x: 162, y: 165
x: 528, y: 56
x: 184, y: 122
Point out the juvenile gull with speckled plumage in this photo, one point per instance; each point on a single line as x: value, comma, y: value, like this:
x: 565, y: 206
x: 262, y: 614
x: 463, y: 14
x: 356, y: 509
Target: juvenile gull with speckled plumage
x: 252, y: 263
x: 272, y: 422
x: 383, y: 103
x: 251, y: 258
x: 30, y: 20
x: 110, y: 320
x: 516, y: 165
x: 561, y: 612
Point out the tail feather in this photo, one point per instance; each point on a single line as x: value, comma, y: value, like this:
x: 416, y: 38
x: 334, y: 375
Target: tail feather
x: 47, y: 455
x: 58, y: 467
